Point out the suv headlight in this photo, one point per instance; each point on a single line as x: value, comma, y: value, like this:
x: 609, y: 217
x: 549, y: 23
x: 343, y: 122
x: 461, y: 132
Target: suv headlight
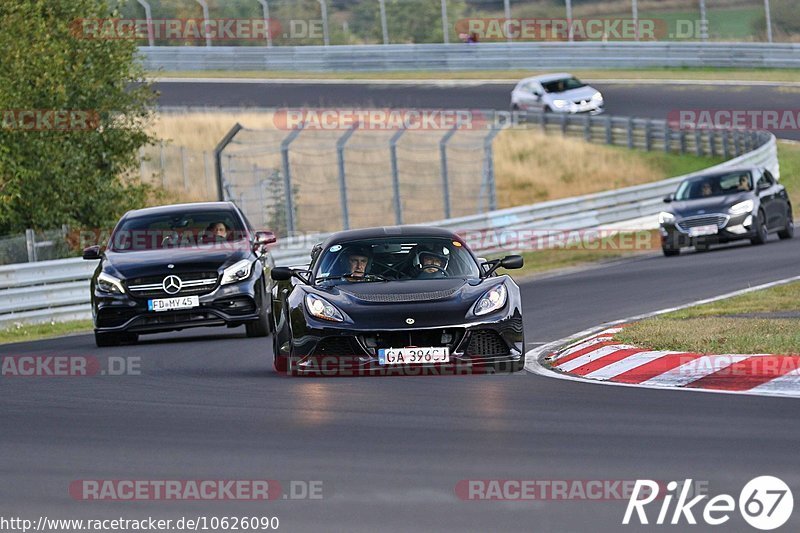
x: 237, y: 272
x: 492, y: 300
x: 742, y: 208
x: 108, y: 283
x: 323, y: 309
x: 560, y: 103
x: 665, y: 217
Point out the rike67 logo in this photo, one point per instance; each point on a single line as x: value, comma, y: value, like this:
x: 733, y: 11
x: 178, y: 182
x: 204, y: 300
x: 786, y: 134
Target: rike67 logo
x: 765, y: 503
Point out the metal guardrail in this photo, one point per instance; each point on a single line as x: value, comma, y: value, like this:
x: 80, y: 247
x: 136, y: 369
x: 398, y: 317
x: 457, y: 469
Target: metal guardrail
x: 59, y: 290
x: 483, y: 56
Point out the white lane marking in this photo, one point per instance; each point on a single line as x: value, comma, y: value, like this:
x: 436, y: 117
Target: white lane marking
x: 694, y: 370
x: 569, y: 366
x: 629, y: 363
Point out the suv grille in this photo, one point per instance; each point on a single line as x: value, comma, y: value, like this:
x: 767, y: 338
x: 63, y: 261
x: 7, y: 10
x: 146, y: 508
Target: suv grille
x: 718, y: 220
x: 191, y: 283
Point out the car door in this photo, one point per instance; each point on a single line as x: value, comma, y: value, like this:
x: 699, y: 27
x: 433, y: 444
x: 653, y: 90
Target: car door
x: 529, y: 96
x: 766, y: 189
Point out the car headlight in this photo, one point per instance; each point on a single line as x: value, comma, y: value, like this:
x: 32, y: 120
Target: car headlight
x: 742, y: 208
x: 237, y: 272
x: 323, y: 309
x: 665, y: 217
x: 492, y: 300
x: 108, y: 283
x: 560, y: 103
x: 597, y: 97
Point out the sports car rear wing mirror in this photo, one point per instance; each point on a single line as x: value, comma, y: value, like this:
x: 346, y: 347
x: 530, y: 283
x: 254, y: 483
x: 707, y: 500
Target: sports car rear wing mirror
x: 287, y: 273
x: 510, y: 262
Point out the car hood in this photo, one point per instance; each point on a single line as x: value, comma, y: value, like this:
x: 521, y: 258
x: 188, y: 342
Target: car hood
x: 713, y: 204
x: 389, y: 305
x: 127, y: 265
x: 581, y: 93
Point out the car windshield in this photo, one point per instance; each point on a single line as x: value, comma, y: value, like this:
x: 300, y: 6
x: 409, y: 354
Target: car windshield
x: 719, y: 185
x: 395, y: 259
x: 160, y: 231
x: 565, y: 84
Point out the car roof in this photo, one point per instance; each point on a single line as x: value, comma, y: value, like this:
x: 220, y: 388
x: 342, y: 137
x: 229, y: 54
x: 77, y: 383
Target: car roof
x: 181, y: 208
x: 544, y: 78
x: 390, y: 231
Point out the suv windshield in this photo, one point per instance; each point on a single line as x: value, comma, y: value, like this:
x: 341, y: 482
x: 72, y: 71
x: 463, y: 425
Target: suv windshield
x: 719, y: 185
x: 559, y: 86
x: 394, y: 259
x: 177, y: 230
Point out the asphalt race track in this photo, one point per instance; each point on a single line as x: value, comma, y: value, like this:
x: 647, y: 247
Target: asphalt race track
x: 638, y: 100
x: 390, y: 451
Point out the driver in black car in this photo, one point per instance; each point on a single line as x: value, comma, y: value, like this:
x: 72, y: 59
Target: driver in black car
x: 431, y: 265
x: 358, y: 260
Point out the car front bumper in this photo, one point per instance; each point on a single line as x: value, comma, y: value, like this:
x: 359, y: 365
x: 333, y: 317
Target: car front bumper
x: 227, y: 305
x: 676, y: 235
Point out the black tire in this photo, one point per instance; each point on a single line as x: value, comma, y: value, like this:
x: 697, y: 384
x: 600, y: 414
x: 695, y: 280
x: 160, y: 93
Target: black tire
x: 788, y: 230
x: 670, y: 252
x: 547, y: 109
x: 104, y: 340
x: 260, y: 327
x: 761, y: 229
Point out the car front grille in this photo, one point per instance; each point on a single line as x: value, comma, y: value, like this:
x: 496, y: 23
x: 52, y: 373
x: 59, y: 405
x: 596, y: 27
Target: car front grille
x: 192, y: 283
x: 486, y: 342
x: 338, y: 346
x: 718, y: 220
x: 407, y: 297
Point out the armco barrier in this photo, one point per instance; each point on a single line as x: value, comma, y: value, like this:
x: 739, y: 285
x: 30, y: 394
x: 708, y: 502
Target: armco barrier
x: 482, y: 56
x: 59, y: 290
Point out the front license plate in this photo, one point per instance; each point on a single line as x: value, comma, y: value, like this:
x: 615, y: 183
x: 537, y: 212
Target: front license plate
x: 170, y: 304
x: 703, y: 230
x: 413, y: 356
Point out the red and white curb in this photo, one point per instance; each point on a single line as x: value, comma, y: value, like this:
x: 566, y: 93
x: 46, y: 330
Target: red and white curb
x: 597, y: 357
x: 602, y: 358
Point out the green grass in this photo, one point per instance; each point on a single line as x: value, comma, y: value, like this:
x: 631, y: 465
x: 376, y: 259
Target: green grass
x: 715, y: 328
x: 34, y: 332
x: 674, y: 164
x: 710, y: 74
x: 789, y: 157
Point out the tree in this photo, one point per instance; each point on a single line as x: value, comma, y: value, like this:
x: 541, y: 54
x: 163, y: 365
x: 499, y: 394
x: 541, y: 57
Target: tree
x: 76, y: 171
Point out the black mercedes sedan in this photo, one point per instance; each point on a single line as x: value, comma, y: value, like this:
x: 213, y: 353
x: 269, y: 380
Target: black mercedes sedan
x: 179, y: 266
x: 746, y: 203
x: 397, y: 300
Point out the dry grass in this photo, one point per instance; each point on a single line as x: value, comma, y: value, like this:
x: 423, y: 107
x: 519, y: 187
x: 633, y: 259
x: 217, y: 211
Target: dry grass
x: 203, y: 130
x: 532, y: 167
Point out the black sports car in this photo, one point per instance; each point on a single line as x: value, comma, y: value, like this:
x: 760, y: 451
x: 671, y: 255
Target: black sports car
x: 726, y: 206
x: 180, y: 266
x: 398, y: 298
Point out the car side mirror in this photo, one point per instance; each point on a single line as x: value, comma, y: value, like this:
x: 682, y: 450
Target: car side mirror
x: 287, y: 273
x: 763, y: 185
x: 668, y: 198
x: 512, y: 262
x: 509, y: 262
x: 91, y: 252
x: 264, y: 238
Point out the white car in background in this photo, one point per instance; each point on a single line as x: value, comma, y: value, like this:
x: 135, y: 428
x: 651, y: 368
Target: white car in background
x: 557, y: 93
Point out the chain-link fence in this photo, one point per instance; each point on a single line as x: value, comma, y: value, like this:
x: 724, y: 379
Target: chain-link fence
x: 358, y: 178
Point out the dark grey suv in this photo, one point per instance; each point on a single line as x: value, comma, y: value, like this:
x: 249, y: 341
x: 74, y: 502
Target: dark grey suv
x: 745, y: 203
